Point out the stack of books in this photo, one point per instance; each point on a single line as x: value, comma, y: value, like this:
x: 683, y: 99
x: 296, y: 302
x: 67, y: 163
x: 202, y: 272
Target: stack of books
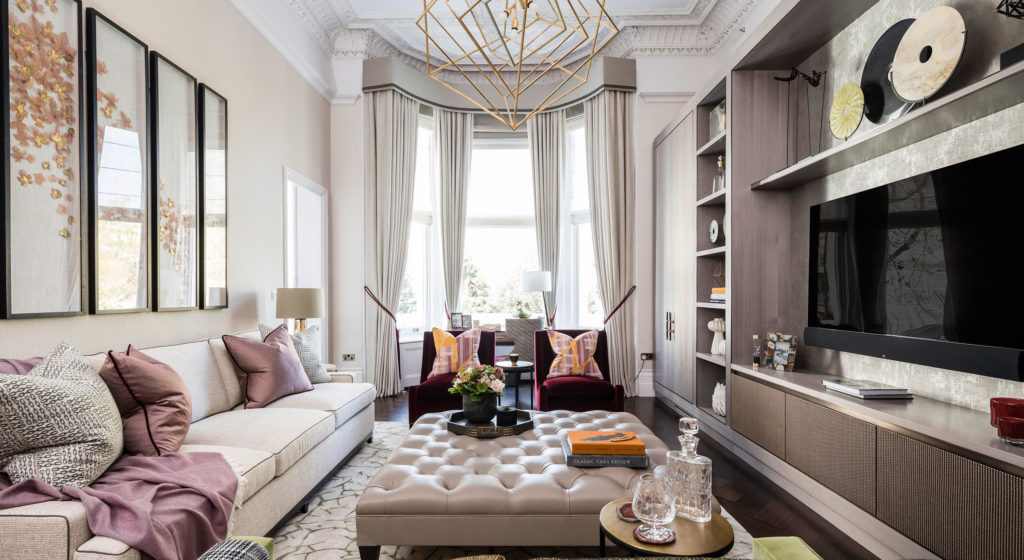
x: 867, y: 389
x: 718, y: 295
x: 586, y: 449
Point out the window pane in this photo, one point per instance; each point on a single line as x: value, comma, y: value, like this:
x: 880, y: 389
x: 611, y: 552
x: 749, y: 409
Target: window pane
x: 591, y: 309
x: 492, y: 274
x: 501, y: 182
x: 576, y: 166
x: 424, y: 171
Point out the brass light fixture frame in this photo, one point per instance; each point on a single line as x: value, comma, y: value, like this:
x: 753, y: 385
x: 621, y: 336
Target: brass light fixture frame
x: 507, y: 70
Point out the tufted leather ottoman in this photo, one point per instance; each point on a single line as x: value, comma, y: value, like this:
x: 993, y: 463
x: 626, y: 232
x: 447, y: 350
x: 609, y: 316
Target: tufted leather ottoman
x: 442, y: 489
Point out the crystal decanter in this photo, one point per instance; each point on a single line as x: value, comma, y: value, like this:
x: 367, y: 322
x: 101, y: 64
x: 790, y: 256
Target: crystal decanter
x: 691, y: 475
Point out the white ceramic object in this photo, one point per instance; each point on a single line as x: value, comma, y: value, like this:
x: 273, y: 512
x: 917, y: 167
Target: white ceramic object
x: 718, y: 399
x: 717, y: 326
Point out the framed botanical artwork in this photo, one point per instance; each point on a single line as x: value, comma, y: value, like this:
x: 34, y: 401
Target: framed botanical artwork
x: 41, y: 246
x: 117, y: 101
x: 213, y: 198
x: 174, y: 195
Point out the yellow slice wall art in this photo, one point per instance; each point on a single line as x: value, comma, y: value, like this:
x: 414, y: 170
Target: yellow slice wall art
x: 847, y: 111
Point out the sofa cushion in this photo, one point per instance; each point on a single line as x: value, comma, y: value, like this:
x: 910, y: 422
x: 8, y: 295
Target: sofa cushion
x: 574, y: 356
x: 271, y: 368
x: 18, y: 367
x: 455, y: 353
x: 153, y: 401
x: 60, y: 424
x: 436, y: 387
x: 578, y: 387
x: 343, y: 400
x: 307, y: 346
x: 257, y: 468
x: 196, y: 363
x: 285, y: 433
x: 46, y: 531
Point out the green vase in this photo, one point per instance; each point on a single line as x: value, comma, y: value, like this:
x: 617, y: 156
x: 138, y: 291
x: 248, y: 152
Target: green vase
x: 482, y: 411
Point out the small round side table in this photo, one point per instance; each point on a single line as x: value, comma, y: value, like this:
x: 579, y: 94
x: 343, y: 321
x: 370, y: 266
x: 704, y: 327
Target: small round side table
x: 713, y: 538
x: 520, y: 367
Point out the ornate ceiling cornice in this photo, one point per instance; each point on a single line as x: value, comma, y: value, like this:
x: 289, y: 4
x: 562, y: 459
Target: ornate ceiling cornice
x: 698, y: 27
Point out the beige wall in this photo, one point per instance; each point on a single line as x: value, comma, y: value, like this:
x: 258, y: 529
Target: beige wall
x: 277, y: 120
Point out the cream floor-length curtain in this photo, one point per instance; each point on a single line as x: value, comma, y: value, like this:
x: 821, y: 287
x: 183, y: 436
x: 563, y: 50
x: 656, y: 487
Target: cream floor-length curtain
x: 609, y: 119
x: 547, y: 154
x: 391, y: 121
x: 453, y: 134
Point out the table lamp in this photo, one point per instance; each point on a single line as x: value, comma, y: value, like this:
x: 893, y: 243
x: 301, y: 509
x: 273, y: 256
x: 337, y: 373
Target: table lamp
x: 300, y: 304
x: 538, y: 281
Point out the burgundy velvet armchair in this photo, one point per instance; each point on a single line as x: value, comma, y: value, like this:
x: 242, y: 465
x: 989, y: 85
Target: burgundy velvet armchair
x: 432, y: 395
x: 576, y: 393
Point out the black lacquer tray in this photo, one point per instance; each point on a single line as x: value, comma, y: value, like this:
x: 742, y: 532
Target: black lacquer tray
x: 458, y: 424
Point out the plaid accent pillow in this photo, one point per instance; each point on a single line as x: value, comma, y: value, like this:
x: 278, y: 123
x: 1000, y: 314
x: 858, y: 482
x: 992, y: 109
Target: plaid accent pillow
x: 574, y: 356
x: 455, y: 353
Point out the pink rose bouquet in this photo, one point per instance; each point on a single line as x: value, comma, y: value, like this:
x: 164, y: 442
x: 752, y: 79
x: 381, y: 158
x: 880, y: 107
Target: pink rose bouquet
x: 477, y: 381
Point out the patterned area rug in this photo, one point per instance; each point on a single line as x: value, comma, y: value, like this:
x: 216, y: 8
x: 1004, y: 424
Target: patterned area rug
x: 328, y: 531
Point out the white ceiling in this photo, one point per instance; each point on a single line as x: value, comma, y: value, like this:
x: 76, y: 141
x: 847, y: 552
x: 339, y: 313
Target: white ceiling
x: 649, y: 27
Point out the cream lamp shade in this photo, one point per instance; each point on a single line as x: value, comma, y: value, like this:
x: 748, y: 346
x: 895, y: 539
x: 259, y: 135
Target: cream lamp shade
x: 300, y: 304
x: 537, y: 281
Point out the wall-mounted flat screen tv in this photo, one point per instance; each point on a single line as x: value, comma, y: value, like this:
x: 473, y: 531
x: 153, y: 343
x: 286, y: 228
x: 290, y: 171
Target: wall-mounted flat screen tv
x: 926, y: 270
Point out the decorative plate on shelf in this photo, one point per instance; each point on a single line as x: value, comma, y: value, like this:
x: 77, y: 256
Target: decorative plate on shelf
x: 713, y: 231
x: 847, y: 111
x: 928, y: 54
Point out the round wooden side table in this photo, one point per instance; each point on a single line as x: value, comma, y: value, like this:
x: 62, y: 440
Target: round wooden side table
x: 520, y: 367
x: 713, y: 538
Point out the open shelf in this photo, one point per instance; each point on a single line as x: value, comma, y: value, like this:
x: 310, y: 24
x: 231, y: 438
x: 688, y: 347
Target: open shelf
x: 706, y: 305
x: 711, y: 412
x: 711, y: 358
x: 718, y: 252
x: 715, y: 147
x: 989, y: 95
x: 713, y: 199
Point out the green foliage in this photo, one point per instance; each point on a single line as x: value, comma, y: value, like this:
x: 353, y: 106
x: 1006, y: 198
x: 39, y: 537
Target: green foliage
x: 407, y: 298
x: 510, y: 299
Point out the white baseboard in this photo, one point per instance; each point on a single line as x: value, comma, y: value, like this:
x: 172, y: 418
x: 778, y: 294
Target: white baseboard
x: 410, y: 380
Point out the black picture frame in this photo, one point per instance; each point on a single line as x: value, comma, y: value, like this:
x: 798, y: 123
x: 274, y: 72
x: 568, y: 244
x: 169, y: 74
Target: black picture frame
x: 155, y: 213
x: 6, y: 297
x: 204, y: 91
x: 93, y: 16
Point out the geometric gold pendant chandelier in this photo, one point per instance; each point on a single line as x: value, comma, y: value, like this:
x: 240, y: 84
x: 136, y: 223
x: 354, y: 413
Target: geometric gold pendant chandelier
x: 514, y: 58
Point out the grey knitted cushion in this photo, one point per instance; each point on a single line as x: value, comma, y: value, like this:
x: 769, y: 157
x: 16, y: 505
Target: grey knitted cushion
x: 58, y: 423
x: 236, y: 550
x: 306, y: 343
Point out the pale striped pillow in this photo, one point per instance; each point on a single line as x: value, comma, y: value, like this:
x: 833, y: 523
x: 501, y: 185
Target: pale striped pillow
x: 455, y: 353
x: 574, y: 357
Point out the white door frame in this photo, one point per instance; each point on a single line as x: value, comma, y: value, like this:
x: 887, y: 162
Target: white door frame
x: 298, y: 180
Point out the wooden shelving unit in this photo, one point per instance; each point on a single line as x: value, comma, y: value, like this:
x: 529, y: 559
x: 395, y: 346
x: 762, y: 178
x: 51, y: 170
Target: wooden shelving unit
x: 711, y: 259
x: 999, y: 91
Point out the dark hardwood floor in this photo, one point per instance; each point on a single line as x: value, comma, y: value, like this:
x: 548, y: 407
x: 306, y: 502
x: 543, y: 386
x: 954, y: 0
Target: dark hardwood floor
x: 763, y: 508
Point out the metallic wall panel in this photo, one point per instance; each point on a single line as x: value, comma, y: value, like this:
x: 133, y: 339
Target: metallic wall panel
x: 759, y: 413
x: 955, y: 507
x: 832, y: 448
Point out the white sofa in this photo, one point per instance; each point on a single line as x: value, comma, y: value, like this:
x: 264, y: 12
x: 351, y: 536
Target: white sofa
x: 282, y: 453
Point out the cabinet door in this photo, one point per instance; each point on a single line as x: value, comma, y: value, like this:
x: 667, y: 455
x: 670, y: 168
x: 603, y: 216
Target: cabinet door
x: 951, y: 505
x: 759, y: 413
x: 674, y: 277
x: 832, y: 448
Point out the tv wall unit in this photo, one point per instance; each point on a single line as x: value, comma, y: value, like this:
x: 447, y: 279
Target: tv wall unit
x: 869, y: 467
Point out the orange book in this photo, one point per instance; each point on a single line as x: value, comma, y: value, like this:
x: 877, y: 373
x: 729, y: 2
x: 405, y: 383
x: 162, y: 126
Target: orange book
x: 605, y: 443
x: 718, y: 290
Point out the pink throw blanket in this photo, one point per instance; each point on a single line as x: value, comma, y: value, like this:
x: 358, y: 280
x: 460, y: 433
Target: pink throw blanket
x: 171, y: 507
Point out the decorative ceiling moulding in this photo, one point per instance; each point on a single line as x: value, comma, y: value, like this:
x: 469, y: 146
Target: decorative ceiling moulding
x: 392, y: 72
x: 346, y: 28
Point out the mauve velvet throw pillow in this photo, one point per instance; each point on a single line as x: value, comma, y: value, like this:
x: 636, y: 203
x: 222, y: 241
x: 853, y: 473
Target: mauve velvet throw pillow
x: 154, y: 402
x: 270, y: 369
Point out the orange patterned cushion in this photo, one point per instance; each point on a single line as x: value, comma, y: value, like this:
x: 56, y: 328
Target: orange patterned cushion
x: 574, y: 356
x: 455, y: 353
